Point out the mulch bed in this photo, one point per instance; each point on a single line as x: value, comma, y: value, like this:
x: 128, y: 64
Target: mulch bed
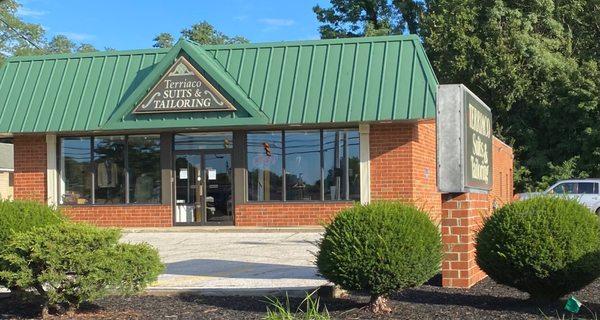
x: 486, y: 300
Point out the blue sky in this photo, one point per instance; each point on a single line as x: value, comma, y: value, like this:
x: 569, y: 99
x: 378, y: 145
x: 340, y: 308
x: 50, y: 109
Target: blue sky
x: 132, y: 24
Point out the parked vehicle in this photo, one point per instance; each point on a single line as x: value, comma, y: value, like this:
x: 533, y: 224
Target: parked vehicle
x: 586, y: 191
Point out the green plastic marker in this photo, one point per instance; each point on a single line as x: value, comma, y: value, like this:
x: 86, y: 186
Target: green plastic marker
x: 573, y: 305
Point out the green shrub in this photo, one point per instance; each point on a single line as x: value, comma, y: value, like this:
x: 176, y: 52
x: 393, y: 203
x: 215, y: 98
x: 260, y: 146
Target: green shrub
x: 68, y: 264
x: 20, y: 216
x: 380, y: 248
x: 545, y: 246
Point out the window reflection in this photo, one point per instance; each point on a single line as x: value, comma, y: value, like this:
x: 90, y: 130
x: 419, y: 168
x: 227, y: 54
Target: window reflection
x: 264, y: 166
x: 308, y: 161
x: 109, y: 163
x: 201, y: 141
x: 341, y: 165
x: 75, y: 168
x: 303, y: 165
x: 144, y: 169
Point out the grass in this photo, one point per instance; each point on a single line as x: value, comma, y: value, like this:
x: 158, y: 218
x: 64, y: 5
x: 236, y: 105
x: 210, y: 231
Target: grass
x: 276, y: 310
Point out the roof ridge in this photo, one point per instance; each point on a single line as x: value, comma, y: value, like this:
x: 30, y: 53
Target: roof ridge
x: 79, y: 55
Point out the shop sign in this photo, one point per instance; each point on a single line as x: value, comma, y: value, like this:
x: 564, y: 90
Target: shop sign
x: 183, y: 89
x: 464, y: 140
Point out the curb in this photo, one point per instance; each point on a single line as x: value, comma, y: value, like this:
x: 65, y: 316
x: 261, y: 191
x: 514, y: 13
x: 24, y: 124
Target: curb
x: 326, y: 291
x: 225, y: 230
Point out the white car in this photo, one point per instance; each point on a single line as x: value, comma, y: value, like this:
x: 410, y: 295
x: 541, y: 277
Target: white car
x: 586, y: 191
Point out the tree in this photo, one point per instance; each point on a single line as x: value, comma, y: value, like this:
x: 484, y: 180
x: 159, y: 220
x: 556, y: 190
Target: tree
x: 163, y: 40
x: 86, y: 47
x: 60, y: 44
x: 535, y: 64
x: 355, y: 18
x: 14, y: 32
x: 202, y: 32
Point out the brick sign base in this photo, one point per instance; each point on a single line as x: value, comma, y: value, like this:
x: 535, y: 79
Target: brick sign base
x: 462, y: 217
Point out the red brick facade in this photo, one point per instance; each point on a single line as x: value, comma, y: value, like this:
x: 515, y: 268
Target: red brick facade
x: 462, y: 216
x: 123, y: 216
x: 30, y: 164
x: 402, y: 167
x: 287, y: 214
x: 403, y: 164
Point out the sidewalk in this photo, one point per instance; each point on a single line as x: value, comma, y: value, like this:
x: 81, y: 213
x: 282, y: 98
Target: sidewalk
x: 234, y: 262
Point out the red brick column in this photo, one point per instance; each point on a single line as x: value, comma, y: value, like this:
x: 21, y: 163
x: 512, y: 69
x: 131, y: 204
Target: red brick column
x: 462, y: 217
x: 30, y: 168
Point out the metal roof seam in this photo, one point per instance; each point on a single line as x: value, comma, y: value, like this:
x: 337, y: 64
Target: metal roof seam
x: 85, y: 85
x: 381, y: 81
x: 308, y: 82
x: 37, y: 79
x: 366, y: 90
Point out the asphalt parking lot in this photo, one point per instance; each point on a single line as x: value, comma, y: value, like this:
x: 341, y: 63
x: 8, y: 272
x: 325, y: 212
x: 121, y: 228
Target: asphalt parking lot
x: 234, y: 262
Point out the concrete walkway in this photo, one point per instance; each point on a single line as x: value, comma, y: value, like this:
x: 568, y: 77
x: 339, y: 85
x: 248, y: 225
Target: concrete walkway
x: 232, y: 262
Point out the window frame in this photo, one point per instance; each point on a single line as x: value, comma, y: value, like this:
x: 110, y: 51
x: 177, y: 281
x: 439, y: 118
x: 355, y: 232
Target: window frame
x: 92, y: 171
x: 284, y: 169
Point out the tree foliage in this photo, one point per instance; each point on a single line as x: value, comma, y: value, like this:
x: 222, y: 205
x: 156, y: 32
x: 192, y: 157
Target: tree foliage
x: 535, y: 63
x: 202, y: 32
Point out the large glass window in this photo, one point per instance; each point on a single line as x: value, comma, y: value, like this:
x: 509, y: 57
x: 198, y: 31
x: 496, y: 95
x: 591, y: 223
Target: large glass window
x: 143, y: 154
x: 265, y: 177
x: 319, y: 165
x: 76, y: 156
x: 201, y: 141
x: 341, y: 165
x: 302, y: 165
x: 111, y: 159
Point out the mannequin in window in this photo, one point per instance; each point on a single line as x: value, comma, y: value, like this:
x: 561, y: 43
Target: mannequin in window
x: 107, y: 174
x: 144, y: 186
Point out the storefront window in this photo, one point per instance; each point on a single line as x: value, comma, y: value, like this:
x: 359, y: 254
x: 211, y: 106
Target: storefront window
x: 314, y: 170
x: 109, y: 161
x: 201, y: 141
x: 302, y: 165
x: 265, y: 181
x: 76, y: 174
x: 144, y: 169
x: 341, y: 165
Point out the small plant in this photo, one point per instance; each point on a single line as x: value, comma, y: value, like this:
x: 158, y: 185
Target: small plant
x: 545, y: 246
x: 67, y: 264
x: 278, y: 311
x: 378, y: 249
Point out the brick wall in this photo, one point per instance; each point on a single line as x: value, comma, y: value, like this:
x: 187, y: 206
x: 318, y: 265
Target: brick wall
x: 122, y: 216
x: 30, y: 167
x: 287, y: 214
x: 503, y: 159
x: 403, y: 164
x: 462, y: 217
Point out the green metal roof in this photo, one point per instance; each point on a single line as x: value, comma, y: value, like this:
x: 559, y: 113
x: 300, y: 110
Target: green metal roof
x: 307, y: 82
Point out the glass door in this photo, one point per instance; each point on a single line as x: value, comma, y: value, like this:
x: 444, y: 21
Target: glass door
x: 188, y: 188
x: 203, y: 188
x: 218, y: 176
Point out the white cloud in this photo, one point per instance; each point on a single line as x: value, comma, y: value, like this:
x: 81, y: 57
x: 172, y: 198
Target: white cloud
x: 277, y: 22
x: 30, y: 13
x: 75, y: 36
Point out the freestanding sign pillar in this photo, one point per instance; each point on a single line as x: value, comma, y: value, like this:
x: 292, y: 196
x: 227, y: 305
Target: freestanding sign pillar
x: 464, y: 164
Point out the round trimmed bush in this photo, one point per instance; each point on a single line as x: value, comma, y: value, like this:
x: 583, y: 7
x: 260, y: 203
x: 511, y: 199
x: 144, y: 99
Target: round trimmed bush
x: 380, y: 248
x: 545, y: 246
x: 21, y: 216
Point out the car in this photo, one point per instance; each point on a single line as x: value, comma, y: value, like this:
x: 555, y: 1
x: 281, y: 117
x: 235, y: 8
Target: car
x: 586, y: 191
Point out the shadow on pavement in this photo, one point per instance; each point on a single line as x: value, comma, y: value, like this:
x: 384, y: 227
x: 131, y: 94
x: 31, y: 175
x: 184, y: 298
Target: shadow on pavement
x: 240, y: 269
